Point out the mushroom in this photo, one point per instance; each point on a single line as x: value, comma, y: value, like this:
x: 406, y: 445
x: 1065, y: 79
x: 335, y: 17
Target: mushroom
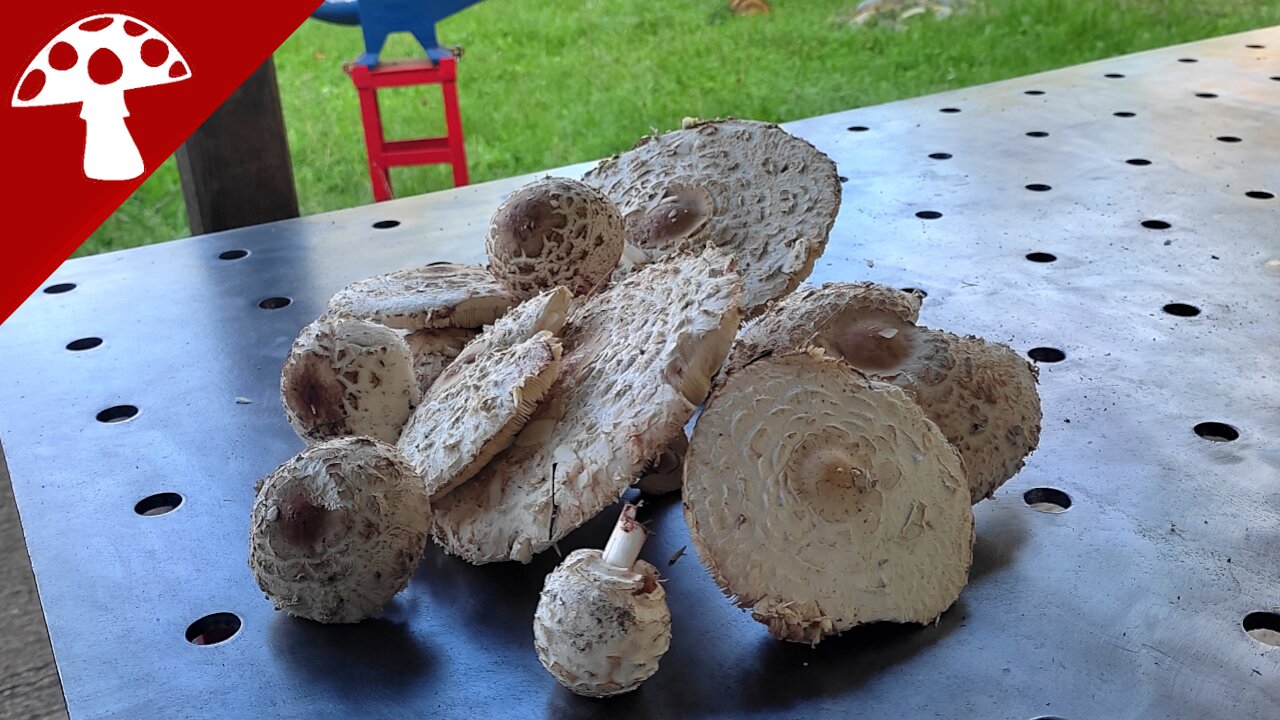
x: 638, y: 359
x: 981, y: 395
x: 821, y: 500
x: 433, y: 349
x: 554, y: 232
x: 545, y: 312
x: 602, y: 623
x: 758, y: 193
x: 338, y: 530
x: 433, y: 296
x: 665, y: 472
x: 93, y: 63
x: 462, y: 422
x: 348, y: 377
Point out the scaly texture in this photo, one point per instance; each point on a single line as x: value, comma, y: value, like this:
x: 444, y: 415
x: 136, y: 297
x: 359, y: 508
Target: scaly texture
x: 348, y: 377
x: 981, y: 395
x: 547, y: 311
x: 554, y: 232
x: 472, y: 414
x: 822, y: 500
x: 751, y: 189
x: 432, y: 296
x: 599, y: 630
x: 338, y: 530
x: 638, y: 359
x: 434, y: 349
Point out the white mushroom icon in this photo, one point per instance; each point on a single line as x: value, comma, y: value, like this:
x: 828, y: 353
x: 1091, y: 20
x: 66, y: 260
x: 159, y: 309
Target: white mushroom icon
x: 93, y: 62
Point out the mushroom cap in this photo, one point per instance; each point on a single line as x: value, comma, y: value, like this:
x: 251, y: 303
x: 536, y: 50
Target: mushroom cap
x: 474, y: 413
x: 553, y: 232
x: 638, y: 359
x: 981, y: 395
x: 822, y: 500
x: 665, y: 472
x: 758, y: 193
x: 433, y: 349
x: 348, y: 377
x: 338, y: 530
x: 432, y: 296
x: 600, y: 630
x: 106, y: 53
x: 820, y: 317
x: 547, y: 311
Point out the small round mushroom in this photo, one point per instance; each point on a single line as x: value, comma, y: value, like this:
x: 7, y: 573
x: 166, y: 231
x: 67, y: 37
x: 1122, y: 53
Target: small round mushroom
x: 348, y: 377
x: 764, y: 196
x: 638, y: 359
x: 434, y: 349
x: 474, y: 411
x: 665, y: 472
x: 821, y: 500
x: 554, y: 232
x: 338, y: 530
x: 981, y: 395
x: 432, y: 296
x: 602, y: 623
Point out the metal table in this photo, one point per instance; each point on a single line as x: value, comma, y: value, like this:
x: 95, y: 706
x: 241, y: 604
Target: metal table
x: 1119, y: 214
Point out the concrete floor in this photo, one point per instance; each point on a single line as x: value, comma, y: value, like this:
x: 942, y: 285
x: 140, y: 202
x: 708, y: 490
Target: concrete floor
x: 29, y: 687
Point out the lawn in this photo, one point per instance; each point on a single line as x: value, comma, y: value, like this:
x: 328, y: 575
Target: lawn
x: 549, y: 83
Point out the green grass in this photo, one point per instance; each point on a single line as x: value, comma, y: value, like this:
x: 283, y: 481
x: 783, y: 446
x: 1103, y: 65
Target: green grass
x: 549, y: 83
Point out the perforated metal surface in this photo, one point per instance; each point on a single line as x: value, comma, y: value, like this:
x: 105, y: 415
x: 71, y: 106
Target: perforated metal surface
x: 1128, y: 605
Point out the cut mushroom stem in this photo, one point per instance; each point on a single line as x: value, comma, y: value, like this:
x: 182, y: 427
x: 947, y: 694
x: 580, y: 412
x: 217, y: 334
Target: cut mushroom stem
x: 623, y: 547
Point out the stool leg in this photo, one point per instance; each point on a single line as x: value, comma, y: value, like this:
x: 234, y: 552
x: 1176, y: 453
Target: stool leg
x: 371, y: 117
x: 453, y: 121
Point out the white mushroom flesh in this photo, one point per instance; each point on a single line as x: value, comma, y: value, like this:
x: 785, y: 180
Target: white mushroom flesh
x: 554, y: 232
x: 338, y: 530
x: 348, y: 377
x: 822, y: 500
x: 432, y: 296
x: 474, y: 413
x: 751, y: 189
x: 638, y: 359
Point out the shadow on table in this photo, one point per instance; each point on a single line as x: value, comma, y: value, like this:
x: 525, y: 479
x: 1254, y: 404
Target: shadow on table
x: 377, y: 655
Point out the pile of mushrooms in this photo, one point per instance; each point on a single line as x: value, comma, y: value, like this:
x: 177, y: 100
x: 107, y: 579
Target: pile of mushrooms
x: 828, y: 481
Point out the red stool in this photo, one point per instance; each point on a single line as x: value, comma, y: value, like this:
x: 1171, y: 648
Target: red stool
x: 384, y: 155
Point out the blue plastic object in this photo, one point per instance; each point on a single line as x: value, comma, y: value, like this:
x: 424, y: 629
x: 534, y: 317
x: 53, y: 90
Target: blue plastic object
x: 379, y: 18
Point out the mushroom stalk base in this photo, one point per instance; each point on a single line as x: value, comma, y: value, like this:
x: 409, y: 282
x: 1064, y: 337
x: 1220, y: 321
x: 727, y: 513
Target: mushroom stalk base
x: 623, y: 548
x: 109, y: 150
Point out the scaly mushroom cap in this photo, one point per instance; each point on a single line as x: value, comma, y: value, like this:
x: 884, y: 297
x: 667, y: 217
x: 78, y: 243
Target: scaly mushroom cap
x: 552, y: 232
x: 338, y: 530
x: 434, y: 349
x: 638, y: 359
x: 822, y: 500
x: 348, y: 377
x: 665, y: 472
x: 546, y: 312
x: 473, y: 414
x: 981, y: 395
x: 432, y: 296
x: 601, y: 630
x: 758, y: 193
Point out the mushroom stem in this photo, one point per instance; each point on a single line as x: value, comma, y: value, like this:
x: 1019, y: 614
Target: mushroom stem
x: 110, y: 152
x: 623, y: 548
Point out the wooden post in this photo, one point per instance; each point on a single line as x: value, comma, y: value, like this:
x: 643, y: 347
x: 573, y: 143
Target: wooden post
x: 235, y: 168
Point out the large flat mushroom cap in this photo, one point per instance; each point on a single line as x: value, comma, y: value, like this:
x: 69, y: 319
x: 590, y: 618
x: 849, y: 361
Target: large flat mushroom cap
x: 830, y: 317
x: 554, y: 232
x: 982, y: 396
x: 475, y: 413
x: 338, y: 530
x: 591, y: 657
x: 547, y: 311
x: 751, y: 189
x: 433, y: 350
x: 638, y: 359
x: 432, y: 296
x: 822, y: 500
x: 348, y: 377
